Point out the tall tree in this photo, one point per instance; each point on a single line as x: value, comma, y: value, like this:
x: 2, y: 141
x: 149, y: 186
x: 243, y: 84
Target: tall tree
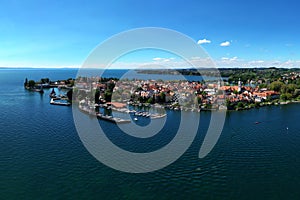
x: 26, y: 82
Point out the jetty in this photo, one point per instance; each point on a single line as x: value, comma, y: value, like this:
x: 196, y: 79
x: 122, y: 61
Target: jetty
x: 109, y: 118
x: 112, y: 119
x: 139, y: 113
x: 54, y: 101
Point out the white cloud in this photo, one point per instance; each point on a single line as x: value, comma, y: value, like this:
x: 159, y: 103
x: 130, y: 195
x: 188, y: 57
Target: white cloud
x: 225, y: 58
x: 157, y: 59
x: 204, y: 41
x: 225, y: 44
x: 195, y: 58
x: 235, y: 58
x: 256, y: 62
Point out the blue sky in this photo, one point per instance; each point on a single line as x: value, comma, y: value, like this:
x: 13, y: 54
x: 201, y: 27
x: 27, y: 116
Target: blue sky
x: 63, y: 33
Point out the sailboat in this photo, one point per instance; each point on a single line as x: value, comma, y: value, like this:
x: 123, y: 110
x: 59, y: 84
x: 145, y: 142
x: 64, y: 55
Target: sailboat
x: 52, y: 94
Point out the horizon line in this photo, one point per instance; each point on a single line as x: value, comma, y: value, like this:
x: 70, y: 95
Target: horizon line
x: 227, y: 67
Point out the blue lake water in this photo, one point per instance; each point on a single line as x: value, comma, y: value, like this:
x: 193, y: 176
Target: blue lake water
x: 42, y: 156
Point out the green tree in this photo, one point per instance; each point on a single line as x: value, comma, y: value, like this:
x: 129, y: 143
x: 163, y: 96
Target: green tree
x: 235, y: 92
x: 26, y: 82
x: 45, y: 80
x: 286, y: 96
x: 240, y: 105
x: 97, y: 95
x: 110, y: 86
x: 291, y: 88
x: 107, y: 96
x: 263, y: 85
x: 31, y: 83
x: 150, y: 100
x: 276, y: 86
x: 257, y: 104
x: 162, y: 96
x: 70, y: 95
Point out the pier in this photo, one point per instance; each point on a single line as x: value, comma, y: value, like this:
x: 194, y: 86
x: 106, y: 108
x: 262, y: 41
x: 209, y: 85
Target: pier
x: 139, y: 113
x: 53, y: 102
x: 101, y: 116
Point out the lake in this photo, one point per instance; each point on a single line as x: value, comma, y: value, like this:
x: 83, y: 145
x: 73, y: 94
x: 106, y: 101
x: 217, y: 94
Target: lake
x: 42, y: 156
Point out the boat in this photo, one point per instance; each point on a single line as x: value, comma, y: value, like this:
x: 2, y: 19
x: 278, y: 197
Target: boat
x: 135, y: 119
x: 52, y: 94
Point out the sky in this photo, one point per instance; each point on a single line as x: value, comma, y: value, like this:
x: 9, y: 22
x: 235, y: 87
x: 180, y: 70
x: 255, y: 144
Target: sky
x: 234, y: 33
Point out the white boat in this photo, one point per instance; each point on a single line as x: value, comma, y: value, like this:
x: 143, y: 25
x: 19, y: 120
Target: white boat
x: 135, y: 119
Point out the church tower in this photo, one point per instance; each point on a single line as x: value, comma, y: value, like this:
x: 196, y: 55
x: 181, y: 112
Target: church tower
x: 239, y: 85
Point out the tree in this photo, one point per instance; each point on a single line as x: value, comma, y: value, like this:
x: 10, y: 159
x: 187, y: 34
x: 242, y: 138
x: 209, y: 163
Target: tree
x: 26, y: 82
x: 284, y: 89
x: 286, y: 96
x: 45, y: 80
x: 240, y: 105
x: 107, y: 96
x: 162, y: 96
x: 263, y: 85
x: 70, y: 95
x: 97, y: 95
x: 31, y: 83
x: 110, y: 86
x: 297, y: 92
x: 276, y: 86
x: 227, y: 102
x: 199, y: 100
x: 257, y: 104
x: 235, y: 92
x: 291, y: 88
x: 150, y: 100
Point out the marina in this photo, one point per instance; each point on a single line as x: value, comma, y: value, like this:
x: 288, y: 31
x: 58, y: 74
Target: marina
x: 109, y: 118
x: 140, y: 113
x: 91, y: 111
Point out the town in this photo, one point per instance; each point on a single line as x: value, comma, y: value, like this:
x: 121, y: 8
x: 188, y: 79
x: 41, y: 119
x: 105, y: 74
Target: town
x: 191, y: 95
x: 230, y: 94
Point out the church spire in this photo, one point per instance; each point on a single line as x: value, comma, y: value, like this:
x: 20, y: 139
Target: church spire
x: 239, y: 85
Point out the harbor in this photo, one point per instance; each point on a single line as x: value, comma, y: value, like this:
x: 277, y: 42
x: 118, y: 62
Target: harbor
x: 94, y: 110
x: 60, y: 100
x: 89, y: 111
x: 140, y: 113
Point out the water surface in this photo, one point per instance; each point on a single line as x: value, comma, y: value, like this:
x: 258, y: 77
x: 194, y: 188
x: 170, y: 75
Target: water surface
x: 42, y: 156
